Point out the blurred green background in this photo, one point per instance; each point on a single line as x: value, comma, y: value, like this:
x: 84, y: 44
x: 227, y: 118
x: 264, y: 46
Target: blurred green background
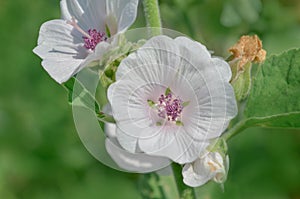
x: 41, y: 155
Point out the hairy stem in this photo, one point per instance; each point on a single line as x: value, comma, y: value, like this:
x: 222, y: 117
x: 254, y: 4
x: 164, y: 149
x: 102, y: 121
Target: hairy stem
x: 152, y: 15
x: 239, y: 127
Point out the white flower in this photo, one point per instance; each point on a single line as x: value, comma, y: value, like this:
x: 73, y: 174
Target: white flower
x: 69, y: 44
x: 210, y: 166
x: 170, y: 98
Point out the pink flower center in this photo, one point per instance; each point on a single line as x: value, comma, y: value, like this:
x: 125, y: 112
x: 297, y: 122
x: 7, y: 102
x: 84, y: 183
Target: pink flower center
x: 94, y: 38
x: 90, y: 38
x: 169, y: 107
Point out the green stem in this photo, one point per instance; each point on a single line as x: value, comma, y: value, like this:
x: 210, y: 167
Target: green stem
x: 240, y: 126
x: 185, y: 192
x: 152, y: 15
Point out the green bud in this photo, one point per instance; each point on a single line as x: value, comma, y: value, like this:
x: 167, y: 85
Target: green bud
x: 241, y: 79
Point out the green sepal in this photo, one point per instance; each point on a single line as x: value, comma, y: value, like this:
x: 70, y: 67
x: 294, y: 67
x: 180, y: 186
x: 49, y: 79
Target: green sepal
x: 242, y: 80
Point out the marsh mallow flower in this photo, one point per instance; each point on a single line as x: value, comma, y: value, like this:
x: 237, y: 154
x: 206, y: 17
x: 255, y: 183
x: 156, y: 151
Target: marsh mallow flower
x: 170, y: 97
x: 69, y: 44
x: 209, y: 166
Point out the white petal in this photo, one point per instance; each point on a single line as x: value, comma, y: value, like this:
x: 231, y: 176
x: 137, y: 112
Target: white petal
x: 121, y: 14
x: 60, y: 71
x: 216, y: 74
x: 222, y: 171
x: 58, y: 32
x: 191, y: 179
x: 89, y: 14
x: 127, y: 141
x: 117, y: 135
x: 158, y: 52
x: 110, y: 130
x: 191, y: 46
x: 134, y: 162
x: 174, y: 144
x: 216, y: 104
x: 223, y: 68
x: 65, y: 14
x: 131, y: 110
x: 97, y: 55
x: 209, y: 166
x: 58, y: 49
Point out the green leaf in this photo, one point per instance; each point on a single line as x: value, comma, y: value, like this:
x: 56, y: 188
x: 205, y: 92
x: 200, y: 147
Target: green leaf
x: 274, y: 100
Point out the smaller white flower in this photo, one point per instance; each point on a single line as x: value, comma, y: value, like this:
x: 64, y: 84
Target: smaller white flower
x: 210, y: 166
x: 82, y: 35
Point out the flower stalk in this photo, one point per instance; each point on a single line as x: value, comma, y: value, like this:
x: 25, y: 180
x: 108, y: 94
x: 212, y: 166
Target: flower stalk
x: 152, y: 15
x: 237, y: 128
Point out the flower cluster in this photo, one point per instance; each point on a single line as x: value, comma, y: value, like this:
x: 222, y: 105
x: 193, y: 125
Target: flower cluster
x: 170, y: 98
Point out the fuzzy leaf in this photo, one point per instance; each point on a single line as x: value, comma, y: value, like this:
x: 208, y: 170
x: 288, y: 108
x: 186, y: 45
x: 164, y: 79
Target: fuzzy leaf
x: 274, y: 100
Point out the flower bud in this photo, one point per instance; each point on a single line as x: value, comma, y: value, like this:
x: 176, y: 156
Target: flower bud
x: 210, y: 166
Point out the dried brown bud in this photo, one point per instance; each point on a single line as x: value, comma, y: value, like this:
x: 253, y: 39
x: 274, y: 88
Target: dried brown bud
x: 248, y: 49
